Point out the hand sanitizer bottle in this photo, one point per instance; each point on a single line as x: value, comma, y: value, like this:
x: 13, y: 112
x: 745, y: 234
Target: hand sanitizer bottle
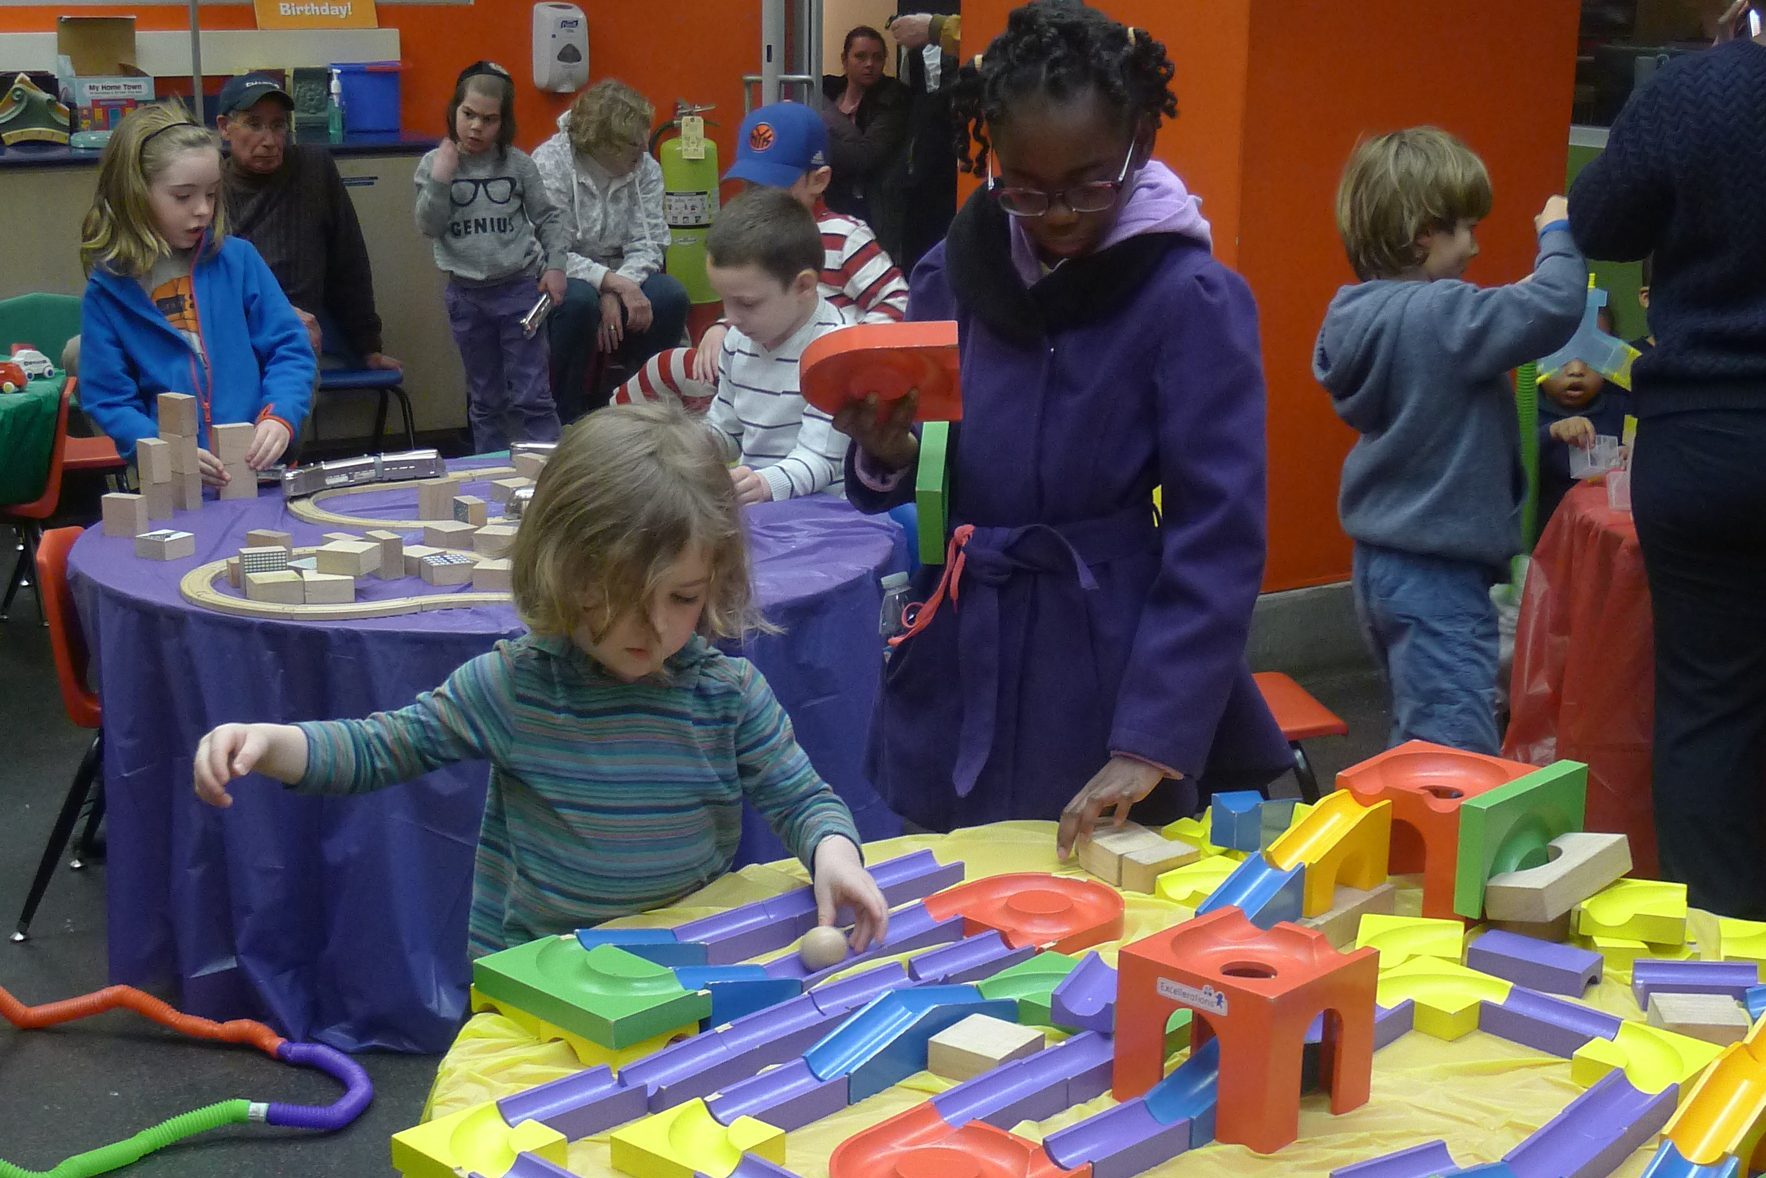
x: 334, y: 112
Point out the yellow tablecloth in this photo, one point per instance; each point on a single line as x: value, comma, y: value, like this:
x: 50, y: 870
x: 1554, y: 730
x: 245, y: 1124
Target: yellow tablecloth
x: 1480, y: 1094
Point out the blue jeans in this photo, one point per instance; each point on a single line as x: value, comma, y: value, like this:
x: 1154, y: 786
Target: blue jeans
x: 572, y: 327
x: 1431, y: 627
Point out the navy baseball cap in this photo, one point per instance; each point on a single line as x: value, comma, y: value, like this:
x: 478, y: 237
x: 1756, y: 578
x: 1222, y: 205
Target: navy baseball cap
x: 779, y: 143
x: 247, y: 90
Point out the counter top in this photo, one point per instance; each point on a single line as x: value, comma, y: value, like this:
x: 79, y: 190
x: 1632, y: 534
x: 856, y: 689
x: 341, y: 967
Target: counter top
x: 44, y: 155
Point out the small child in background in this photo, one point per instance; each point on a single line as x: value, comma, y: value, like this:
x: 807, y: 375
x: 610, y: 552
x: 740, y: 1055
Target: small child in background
x: 174, y: 305
x: 1575, y: 404
x: 1417, y: 361
x: 622, y: 742
x: 500, y: 240
x: 763, y: 257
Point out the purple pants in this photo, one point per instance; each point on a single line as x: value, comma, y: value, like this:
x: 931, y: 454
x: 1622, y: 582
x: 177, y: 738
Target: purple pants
x: 508, y: 385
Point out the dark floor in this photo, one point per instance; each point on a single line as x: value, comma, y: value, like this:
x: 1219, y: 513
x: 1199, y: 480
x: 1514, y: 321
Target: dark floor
x: 90, y: 1084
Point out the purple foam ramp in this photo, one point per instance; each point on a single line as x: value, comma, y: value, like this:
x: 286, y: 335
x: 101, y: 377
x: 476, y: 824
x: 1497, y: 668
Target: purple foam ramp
x: 1733, y: 979
x: 752, y: 1167
x: 530, y: 1165
x: 1422, y: 1161
x: 1086, y: 997
x: 1392, y: 1023
x: 1547, y: 1024
x: 693, y: 1067
x: 1536, y: 964
x: 1119, y: 1142
x: 848, y: 994
x: 787, y: 1097
x: 1595, y: 1132
x: 969, y: 960
x: 577, y: 1106
x: 778, y: 1033
x: 1032, y: 1089
x: 906, y: 878
x: 909, y: 928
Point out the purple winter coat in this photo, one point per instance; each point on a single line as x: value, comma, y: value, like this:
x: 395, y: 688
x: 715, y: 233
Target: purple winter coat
x: 1082, y: 626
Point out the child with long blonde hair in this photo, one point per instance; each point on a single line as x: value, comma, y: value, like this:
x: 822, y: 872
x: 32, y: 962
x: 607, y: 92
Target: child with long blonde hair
x: 174, y: 305
x: 622, y: 742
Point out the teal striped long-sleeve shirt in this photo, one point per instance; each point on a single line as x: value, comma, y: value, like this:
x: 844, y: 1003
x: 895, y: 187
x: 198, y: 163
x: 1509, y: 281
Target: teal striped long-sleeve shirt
x: 606, y: 798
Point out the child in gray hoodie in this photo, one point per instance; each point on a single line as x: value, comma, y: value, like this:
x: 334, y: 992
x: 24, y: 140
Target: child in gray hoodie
x: 1417, y: 361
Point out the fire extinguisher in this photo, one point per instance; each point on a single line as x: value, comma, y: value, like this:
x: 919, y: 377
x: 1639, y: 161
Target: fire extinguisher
x: 689, y: 195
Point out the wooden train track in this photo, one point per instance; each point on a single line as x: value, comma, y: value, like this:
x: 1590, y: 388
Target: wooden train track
x: 310, y: 510
x: 198, y: 588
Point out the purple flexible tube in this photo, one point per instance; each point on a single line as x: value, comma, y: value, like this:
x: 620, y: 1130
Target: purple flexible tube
x: 358, y: 1089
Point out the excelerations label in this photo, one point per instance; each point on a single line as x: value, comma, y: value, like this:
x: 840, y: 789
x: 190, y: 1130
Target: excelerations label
x: 1207, y: 998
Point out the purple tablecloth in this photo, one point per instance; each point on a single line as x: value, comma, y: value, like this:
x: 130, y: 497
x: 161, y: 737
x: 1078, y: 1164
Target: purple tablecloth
x: 344, y: 920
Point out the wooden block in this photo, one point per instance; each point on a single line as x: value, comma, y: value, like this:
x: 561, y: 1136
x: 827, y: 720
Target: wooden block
x: 528, y: 466
x: 165, y: 544
x: 491, y: 576
x: 153, y: 460
x: 187, y: 491
x: 234, y: 577
x: 161, y: 501
x: 392, y: 554
x: 269, y: 558
x: 231, y: 443
x: 348, y: 558
x: 1142, y: 866
x: 435, y: 499
x: 493, y: 540
x: 177, y: 414
x: 449, y: 534
x: 1715, y: 1018
x: 470, y: 509
x: 269, y: 538
x: 446, y: 568
x: 1340, y: 924
x: 414, y: 554
x: 242, y: 482
x: 124, y: 515
x: 1556, y: 931
x: 304, y: 564
x: 327, y: 588
x: 284, y: 587
x: 182, y: 453
x: 979, y: 1044
x: 501, y: 489
x: 346, y: 537
x: 1582, y: 864
x: 1101, y: 853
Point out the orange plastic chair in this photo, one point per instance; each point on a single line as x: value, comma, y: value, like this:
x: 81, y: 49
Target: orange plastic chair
x: 68, y: 643
x: 28, y: 517
x: 95, y: 455
x: 1300, y: 717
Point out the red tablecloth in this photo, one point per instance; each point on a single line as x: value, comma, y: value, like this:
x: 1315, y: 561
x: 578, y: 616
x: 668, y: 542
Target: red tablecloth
x: 1584, y: 676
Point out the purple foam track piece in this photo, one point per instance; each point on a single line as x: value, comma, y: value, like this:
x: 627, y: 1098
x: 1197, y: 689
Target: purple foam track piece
x: 1032, y: 1089
x: 578, y: 1105
x: 1422, y: 1161
x: 969, y: 960
x: 1118, y: 1142
x: 1086, y: 997
x: 788, y: 1097
x: 1733, y: 979
x: 778, y: 1033
x: 532, y: 1165
x: 910, y: 928
x: 753, y: 1167
x: 848, y: 994
x: 1392, y: 1023
x: 693, y: 1067
x: 1536, y: 964
x: 1595, y: 1132
x: 1549, y: 1024
x: 738, y: 934
x: 906, y: 878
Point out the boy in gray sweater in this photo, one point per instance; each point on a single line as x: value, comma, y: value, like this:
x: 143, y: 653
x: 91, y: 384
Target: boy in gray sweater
x: 1417, y: 361
x: 500, y: 239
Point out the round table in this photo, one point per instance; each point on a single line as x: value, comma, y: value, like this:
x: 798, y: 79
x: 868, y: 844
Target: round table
x: 344, y: 920
x: 1583, y: 687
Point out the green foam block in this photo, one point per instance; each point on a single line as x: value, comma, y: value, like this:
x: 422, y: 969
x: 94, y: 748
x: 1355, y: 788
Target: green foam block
x: 604, y: 994
x: 1510, y: 828
x: 930, y: 482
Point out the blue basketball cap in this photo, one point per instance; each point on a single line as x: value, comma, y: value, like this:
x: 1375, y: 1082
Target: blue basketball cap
x: 779, y: 143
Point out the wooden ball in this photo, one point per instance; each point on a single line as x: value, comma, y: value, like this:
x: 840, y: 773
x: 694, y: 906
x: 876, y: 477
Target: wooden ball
x: 822, y: 947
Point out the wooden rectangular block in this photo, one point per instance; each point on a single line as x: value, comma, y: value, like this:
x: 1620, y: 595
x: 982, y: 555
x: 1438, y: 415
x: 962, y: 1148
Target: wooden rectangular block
x: 333, y: 537
x: 268, y: 558
x: 1142, y: 866
x: 153, y: 460
x: 187, y: 491
x: 269, y: 538
x: 348, y: 558
x: 449, y: 534
x: 328, y: 588
x: 230, y: 443
x: 491, y: 576
x: 1100, y: 854
x: 435, y: 498
x: 1715, y: 1018
x: 161, y: 501
x: 470, y: 509
x: 165, y: 544
x: 1582, y: 864
x: 1339, y: 925
x: 501, y: 489
x: 414, y: 554
x: 979, y: 1044
x: 242, y: 482
x: 234, y: 577
x: 284, y: 587
x: 446, y: 568
x: 177, y: 414
x: 182, y: 453
x: 528, y: 466
x: 124, y: 515
x: 392, y: 554
x: 493, y: 540
x: 1556, y: 930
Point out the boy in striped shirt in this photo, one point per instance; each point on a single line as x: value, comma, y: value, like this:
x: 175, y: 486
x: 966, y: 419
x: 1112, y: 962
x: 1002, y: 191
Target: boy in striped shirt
x: 762, y: 258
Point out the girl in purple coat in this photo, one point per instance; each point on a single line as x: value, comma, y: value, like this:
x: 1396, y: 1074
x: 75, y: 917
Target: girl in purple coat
x: 1087, y: 656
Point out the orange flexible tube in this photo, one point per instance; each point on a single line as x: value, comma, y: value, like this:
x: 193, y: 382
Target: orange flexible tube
x: 67, y: 1010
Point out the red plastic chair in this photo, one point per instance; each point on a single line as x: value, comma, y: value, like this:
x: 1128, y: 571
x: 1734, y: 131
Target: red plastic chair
x: 69, y: 646
x: 1300, y: 717
x: 97, y: 455
x: 28, y: 517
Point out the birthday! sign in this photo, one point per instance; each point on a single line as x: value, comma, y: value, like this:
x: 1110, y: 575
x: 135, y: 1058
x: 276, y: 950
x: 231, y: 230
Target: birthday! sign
x: 316, y: 14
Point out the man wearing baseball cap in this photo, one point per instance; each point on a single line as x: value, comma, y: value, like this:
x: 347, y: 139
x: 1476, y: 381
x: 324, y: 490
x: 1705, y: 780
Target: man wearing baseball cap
x: 289, y: 202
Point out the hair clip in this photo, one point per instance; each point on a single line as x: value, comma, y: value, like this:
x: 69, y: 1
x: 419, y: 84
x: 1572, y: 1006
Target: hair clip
x: 1133, y: 36
x: 977, y: 61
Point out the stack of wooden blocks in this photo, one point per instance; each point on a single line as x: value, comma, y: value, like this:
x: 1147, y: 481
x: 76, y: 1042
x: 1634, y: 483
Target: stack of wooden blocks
x: 178, y: 429
x: 230, y: 444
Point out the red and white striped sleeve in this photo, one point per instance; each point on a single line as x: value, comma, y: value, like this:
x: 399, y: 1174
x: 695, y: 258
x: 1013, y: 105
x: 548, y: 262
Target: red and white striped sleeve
x: 858, y: 276
x: 665, y: 376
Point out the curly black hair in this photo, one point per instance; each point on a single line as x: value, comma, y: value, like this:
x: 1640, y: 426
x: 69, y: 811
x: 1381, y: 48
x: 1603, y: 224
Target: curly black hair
x: 1059, y: 49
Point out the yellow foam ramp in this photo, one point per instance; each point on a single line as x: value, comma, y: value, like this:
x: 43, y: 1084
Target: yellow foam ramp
x: 1340, y: 842
x: 473, y: 1140
x: 1725, y: 1111
x: 1449, y: 997
x: 687, y: 1140
x: 1650, y: 1057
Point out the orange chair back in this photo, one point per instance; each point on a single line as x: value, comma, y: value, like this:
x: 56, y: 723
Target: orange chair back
x: 44, y: 505
x: 66, y: 639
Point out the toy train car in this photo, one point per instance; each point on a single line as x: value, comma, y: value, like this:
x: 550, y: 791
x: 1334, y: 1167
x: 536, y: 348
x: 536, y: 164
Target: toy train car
x: 355, y: 472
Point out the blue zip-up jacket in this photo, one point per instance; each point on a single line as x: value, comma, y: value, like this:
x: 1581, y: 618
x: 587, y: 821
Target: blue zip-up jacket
x: 259, y: 361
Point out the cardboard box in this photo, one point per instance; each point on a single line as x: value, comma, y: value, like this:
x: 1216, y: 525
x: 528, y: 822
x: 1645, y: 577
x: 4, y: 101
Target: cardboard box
x: 96, y: 70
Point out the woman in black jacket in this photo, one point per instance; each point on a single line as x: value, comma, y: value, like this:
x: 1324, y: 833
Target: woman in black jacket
x: 867, y: 116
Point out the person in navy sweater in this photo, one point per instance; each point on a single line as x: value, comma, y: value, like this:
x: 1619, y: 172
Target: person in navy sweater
x: 1684, y: 176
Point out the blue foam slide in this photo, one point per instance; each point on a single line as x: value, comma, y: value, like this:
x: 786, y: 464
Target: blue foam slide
x: 885, y: 1041
x: 1669, y: 1164
x: 1265, y: 893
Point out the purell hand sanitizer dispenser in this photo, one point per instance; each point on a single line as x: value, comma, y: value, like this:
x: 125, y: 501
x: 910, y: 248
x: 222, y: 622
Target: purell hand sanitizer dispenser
x: 560, y: 48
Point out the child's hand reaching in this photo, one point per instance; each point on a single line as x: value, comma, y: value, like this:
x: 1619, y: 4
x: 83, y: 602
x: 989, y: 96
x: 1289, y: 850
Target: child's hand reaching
x: 447, y: 161
x: 707, y: 355
x: 268, y: 442
x: 841, y: 878
x: 214, y: 474
x: 1574, y: 431
x: 233, y: 750
x: 1556, y: 209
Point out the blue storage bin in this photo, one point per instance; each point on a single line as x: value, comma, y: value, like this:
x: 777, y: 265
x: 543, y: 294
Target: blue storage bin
x: 370, y: 95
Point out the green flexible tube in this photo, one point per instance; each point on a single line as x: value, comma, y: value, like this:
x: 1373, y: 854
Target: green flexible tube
x: 124, y: 1153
